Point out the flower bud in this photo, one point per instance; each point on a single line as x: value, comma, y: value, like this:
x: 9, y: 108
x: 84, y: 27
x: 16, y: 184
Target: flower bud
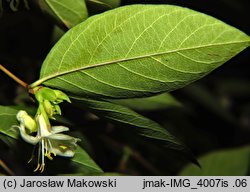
x: 49, y: 108
x: 57, y: 110
x: 48, y: 94
x: 61, y: 96
x: 44, y: 93
x: 27, y: 121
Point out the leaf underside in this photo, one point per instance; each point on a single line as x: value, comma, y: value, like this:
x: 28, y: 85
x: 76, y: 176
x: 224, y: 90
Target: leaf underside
x: 85, y: 163
x: 7, y: 120
x: 69, y: 13
x: 139, y: 50
x: 129, y: 118
x: 154, y: 103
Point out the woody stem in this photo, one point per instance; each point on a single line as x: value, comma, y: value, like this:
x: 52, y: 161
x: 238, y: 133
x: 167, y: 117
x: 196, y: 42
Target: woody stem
x: 15, y: 78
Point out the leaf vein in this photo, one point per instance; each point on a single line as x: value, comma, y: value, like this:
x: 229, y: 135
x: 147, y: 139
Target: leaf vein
x: 79, y: 87
x: 140, y: 35
x: 124, y: 88
x: 108, y: 34
x: 181, y: 71
x: 128, y: 59
x: 172, y: 30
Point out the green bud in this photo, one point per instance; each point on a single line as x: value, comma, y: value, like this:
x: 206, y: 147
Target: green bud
x: 58, y: 109
x: 48, y: 94
x: 54, y: 96
x: 44, y: 93
x: 49, y: 99
x: 61, y: 96
x: 48, y: 108
x: 27, y: 121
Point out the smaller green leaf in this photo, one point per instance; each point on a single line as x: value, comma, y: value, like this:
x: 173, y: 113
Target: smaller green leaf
x: 158, y: 102
x: 69, y: 13
x: 229, y: 162
x: 111, y: 3
x: 126, y: 116
x: 9, y: 141
x: 103, y: 4
x: 57, y: 33
x: 7, y: 120
x: 85, y: 163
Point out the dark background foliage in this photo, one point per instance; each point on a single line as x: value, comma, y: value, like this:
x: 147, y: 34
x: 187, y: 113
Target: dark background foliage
x: 215, y: 112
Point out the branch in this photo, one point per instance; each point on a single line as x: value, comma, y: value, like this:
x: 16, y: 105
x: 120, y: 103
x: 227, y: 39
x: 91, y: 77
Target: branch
x: 12, y: 76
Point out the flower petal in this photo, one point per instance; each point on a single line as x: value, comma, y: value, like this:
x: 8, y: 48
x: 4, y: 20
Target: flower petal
x: 43, y: 127
x: 62, y: 137
x: 58, y: 129
x: 26, y: 120
x: 26, y: 137
x: 64, y: 148
x: 67, y: 153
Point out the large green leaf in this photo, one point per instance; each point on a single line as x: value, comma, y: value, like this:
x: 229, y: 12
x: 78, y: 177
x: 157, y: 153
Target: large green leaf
x: 139, y: 50
x: 70, y: 13
x: 158, y: 102
x: 85, y: 163
x: 126, y: 116
x: 7, y: 120
x: 230, y: 162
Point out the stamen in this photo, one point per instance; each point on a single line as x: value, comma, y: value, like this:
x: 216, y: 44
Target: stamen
x: 42, y: 168
x: 63, y: 147
x: 46, y: 146
x: 32, y: 154
x: 37, y: 168
x: 31, y: 158
x: 49, y: 156
x: 43, y: 163
x: 39, y: 156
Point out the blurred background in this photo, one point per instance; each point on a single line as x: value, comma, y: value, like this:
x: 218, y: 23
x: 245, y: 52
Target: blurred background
x: 211, y: 116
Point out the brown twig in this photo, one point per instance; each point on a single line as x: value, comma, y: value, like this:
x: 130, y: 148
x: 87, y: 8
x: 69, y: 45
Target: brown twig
x: 12, y: 76
x: 6, y: 168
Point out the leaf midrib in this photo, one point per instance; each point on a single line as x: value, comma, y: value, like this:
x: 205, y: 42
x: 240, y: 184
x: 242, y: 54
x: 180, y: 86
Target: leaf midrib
x: 40, y: 81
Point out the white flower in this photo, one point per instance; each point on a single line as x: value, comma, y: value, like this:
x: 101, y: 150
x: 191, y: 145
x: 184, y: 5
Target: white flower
x: 50, y: 141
